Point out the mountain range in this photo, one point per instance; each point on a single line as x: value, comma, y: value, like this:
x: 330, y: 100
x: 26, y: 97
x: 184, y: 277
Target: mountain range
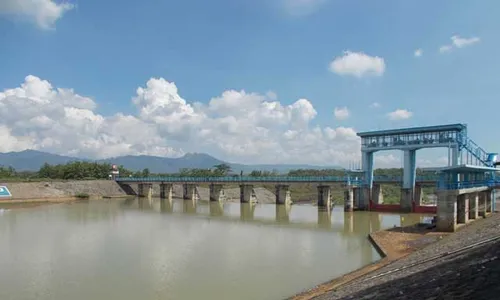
x: 32, y: 160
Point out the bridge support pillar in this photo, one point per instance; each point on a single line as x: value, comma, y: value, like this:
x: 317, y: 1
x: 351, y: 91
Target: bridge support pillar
x: 378, y: 197
x: 488, y: 201
x: 365, y: 199
x: 283, y: 194
x: 349, y: 199
x: 366, y: 196
x: 406, y: 202
x: 447, y: 211
x: 246, y: 193
x: 166, y: 191
x: 189, y: 191
x: 144, y: 190
x: 409, y: 172
x: 357, y: 197
x: 324, y: 195
x: 217, y: 192
x: 482, y: 203
x: 463, y: 208
x: 418, y: 195
x: 473, y: 206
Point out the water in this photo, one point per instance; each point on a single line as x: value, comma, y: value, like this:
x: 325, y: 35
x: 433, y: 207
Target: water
x: 149, y: 249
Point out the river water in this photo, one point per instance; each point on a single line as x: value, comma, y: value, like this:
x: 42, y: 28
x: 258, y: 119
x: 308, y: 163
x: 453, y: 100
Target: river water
x: 152, y: 249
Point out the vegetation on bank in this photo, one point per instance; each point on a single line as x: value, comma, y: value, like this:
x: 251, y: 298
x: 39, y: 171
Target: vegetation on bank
x: 88, y: 171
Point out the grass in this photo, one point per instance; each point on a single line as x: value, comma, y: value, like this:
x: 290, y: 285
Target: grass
x: 82, y: 195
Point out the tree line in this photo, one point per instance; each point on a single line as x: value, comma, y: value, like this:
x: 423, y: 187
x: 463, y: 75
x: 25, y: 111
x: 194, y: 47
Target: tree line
x: 92, y: 170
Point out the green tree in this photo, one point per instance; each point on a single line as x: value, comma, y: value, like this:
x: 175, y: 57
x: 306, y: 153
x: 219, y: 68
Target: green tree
x: 222, y: 169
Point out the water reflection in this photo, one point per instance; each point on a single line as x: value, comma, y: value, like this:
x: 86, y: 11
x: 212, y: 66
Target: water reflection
x: 166, y: 205
x: 296, y: 216
x: 189, y: 206
x: 247, y: 211
x: 216, y: 208
x: 283, y: 213
x: 325, y: 217
x: 181, y: 250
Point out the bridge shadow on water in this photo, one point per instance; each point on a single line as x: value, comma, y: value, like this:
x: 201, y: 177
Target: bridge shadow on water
x: 286, y: 216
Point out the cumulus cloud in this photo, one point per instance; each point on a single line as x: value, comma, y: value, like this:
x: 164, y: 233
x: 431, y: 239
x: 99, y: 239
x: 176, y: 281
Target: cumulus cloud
x: 459, y: 42
x: 236, y: 126
x: 358, y: 64
x: 399, y: 114
x: 341, y: 113
x: 418, y: 52
x: 44, y: 13
x: 375, y: 105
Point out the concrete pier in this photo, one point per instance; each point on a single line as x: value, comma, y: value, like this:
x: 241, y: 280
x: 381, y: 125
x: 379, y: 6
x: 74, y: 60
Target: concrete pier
x: 473, y: 206
x: 145, y: 190
x: 348, y: 200
x: 246, y: 193
x: 324, y: 195
x: 482, y: 204
x: 283, y: 194
x: 217, y: 192
x: 463, y: 209
x: 378, y: 197
x: 418, y: 195
x: 366, y: 197
x: 357, y: 197
x: 189, y: 192
x: 166, y: 191
x: 488, y: 201
x: 459, y: 206
x: 406, y: 199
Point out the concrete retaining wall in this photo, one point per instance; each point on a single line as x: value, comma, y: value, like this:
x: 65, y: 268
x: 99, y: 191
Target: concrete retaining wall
x: 62, y: 189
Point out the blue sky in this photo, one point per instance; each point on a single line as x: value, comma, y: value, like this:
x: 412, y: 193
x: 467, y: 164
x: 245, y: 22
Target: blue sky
x: 105, y: 50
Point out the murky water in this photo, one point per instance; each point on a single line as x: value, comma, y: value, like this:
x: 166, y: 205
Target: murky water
x: 150, y: 249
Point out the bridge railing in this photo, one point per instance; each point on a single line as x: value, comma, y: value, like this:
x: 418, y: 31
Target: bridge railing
x: 237, y: 179
x: 284, y: 179
x: 474, y: 149
x: 466, y: 184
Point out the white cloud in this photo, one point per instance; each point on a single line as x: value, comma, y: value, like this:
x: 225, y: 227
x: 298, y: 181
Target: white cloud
x: 375, y: 105
x: 341, y: 113
x: 418, y: 52
x: 236, y: 126
x: 459, y: 42
x: 358, y: 64
x: 302, y: 7
x: 44, y: 13
x: 400, y: 114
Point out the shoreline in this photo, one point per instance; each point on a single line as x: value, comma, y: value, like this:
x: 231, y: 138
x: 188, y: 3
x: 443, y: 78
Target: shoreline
x: 392, y: 244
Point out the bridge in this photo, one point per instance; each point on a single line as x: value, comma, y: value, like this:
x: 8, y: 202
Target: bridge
x: 430, y: 179
x: 467, y: 183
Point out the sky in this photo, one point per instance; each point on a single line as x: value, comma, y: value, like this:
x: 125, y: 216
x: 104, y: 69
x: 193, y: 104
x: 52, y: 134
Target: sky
x: 246, y: 81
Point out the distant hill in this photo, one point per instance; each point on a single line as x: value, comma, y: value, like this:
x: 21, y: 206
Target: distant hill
x: 32, y: 160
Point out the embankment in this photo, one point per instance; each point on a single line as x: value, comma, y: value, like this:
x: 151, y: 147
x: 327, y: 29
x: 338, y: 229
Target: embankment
x: 45, y: 190
x: 415, y: 264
